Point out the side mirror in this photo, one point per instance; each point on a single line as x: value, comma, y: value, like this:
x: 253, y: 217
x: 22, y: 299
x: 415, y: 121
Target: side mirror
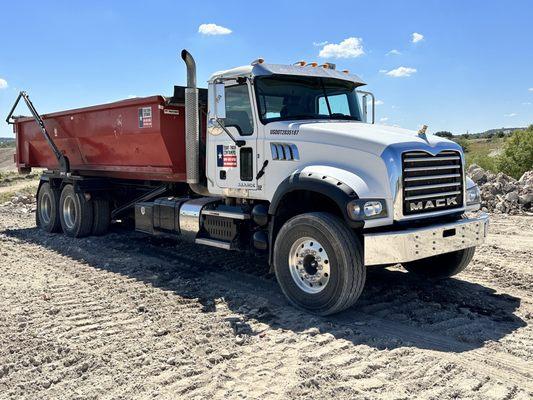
x: 219, y: 100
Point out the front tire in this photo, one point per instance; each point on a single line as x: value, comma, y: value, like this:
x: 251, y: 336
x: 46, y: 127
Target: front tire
x: 318, y: 263
x: 76, y: 213
x: 441, y: 266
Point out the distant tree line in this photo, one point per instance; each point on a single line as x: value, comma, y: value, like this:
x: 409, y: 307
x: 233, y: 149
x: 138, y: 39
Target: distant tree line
x: 516, y: 155
x: 7, y: 142
x: 491, y: 133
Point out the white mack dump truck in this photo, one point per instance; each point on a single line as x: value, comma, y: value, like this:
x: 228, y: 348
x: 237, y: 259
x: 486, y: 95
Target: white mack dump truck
x: 294, y: 166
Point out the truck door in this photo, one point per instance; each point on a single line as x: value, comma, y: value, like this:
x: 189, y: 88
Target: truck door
x: 236, y: 167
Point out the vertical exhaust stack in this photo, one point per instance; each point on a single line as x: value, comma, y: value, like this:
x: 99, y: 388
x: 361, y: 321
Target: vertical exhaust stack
x: 192, y: 127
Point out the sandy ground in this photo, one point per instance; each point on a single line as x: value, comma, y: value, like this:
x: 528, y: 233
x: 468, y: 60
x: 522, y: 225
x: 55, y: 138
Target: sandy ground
x: 19, y: 185
x: 6, y: 158
x: 130, y: 317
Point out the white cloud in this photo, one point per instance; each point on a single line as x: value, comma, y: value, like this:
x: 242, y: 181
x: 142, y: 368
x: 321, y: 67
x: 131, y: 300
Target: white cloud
x: 531, y: 89
x: 320, y: 44
x: 382, y: 71
x: 394, y: 52
x: 510, y: 115
x: 132, y: 96
x: 526, y: 103
x: 383, y: 119
x: 349, y: 48
x: 379, y: 102
x: 3, y: 83
x: 416, y: 37
x: 213, y: 29
x: 401, y: 72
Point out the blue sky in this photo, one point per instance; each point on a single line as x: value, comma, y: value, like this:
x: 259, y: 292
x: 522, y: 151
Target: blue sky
x: 457, y: 65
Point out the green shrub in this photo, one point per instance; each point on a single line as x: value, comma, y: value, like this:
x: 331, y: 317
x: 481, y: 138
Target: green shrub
x: 444, y: 134
x: 482, y: 159
x: 517, y: 155
x: 461, y: 141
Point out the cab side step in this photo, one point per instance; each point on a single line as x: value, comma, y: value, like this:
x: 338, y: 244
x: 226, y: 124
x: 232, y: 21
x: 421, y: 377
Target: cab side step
x: 215, y: 243
x: 223, y: 213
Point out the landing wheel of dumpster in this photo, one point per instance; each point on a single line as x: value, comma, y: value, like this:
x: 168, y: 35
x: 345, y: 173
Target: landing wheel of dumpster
x: 76, y: 213
x: 319, y: 263
x: 441, y: 266
x: 47, y: 214
x: 102, y: 217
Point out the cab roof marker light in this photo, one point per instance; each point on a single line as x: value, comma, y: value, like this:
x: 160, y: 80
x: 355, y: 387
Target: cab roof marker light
x: 328, y: 66
x: 346, y: 71
x: 258, y: 61
x: 301, y: 63
x: 313, y: 64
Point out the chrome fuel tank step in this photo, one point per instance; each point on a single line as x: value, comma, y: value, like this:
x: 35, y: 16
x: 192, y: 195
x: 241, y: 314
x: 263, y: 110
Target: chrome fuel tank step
x: 203, y: 220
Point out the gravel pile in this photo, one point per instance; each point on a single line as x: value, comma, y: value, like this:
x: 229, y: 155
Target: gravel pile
x: 21, y: 202
x: 502, y: 194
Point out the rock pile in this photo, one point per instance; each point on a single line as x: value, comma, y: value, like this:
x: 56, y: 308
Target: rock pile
x: 21, y: 202
x: 501, y: 193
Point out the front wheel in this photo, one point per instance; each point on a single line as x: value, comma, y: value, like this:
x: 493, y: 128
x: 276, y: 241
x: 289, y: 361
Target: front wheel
x: 318, y: 263
x: 441, y: 266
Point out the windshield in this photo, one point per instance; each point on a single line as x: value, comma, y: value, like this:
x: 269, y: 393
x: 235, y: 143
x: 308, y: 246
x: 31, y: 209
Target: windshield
x: 283, y: 98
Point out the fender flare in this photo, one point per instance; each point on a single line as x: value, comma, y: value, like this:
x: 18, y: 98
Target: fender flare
x: 331, y: 187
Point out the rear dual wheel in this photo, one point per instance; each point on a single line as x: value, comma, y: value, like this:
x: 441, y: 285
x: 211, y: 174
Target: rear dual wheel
x: 47, y: 214
x: 76, y: 213
x: 71, y: 212
x: 101, y: 217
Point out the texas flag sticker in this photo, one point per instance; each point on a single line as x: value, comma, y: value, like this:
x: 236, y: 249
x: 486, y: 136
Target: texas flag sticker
x: 226, y: 156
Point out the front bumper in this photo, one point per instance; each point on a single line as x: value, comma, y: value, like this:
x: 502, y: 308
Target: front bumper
x: 416, y: 243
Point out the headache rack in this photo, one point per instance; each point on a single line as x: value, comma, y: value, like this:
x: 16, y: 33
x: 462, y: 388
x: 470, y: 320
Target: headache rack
x: 431, y: 182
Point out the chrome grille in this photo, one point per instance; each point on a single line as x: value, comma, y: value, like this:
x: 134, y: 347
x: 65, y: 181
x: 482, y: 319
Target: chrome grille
x: 431, y: 182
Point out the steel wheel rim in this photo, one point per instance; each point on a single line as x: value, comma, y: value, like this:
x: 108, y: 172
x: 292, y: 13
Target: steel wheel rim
x: 45, y: 208
x: 309, y: 265
x: 69, y: 212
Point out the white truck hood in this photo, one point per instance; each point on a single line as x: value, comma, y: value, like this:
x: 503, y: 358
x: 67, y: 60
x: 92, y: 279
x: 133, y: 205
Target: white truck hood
x: 365, y: 137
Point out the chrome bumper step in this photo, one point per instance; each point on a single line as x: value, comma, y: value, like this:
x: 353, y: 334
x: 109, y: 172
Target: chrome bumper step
x: 417, y: 243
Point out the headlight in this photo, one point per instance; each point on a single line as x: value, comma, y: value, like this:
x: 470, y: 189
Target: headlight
x: 367, y: 209
x: 473, y: 195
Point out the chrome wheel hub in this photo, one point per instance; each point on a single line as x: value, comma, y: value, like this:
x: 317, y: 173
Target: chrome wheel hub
x: 69, y: 212
x: 309, y: 265
x: 45, y: 208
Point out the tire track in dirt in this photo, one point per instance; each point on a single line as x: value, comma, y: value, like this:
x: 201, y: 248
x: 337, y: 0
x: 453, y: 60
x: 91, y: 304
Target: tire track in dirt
x: 501, y: 363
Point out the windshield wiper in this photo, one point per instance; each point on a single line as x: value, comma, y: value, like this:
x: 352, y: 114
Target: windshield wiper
x: 343, y: 116
x: 298, y: 116
x: 304, y: 116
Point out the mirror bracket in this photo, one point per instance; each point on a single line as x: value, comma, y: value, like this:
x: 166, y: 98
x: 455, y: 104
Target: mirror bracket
x: 365, y: 106
x: 238, y: 142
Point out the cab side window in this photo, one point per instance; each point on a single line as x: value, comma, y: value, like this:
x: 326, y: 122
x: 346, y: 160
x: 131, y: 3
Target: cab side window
x: 239, y: 109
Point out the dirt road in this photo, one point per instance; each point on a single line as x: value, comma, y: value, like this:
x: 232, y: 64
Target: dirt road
x: 130, y: 317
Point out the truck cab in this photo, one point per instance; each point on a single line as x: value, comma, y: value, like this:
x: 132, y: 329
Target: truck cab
x: 299, y: 137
